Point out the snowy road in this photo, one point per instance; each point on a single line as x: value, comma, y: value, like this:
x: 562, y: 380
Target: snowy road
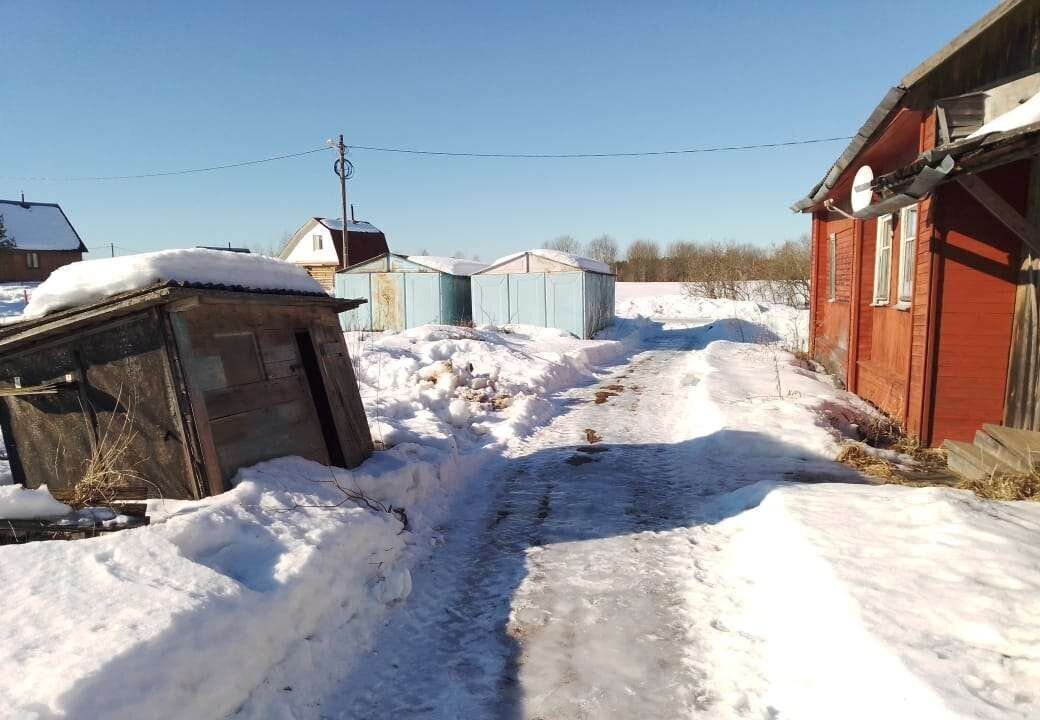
x: 567, y: 596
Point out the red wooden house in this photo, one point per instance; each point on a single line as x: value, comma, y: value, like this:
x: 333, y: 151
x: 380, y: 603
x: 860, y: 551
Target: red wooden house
x: 925, y: 284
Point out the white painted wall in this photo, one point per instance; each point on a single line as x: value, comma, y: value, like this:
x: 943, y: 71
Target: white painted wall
x: 304, y: 252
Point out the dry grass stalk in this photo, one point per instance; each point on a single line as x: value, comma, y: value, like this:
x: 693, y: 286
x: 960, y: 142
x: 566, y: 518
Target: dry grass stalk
x: 1006, y: 486
x: 856, y: 457
x: 110, y: 471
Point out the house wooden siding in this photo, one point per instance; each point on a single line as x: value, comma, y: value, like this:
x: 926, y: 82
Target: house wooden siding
x: 15, y: 268
x: 940, y: 364
x: 324, y: 274
x: 978, y: 260
x: 947, y: 383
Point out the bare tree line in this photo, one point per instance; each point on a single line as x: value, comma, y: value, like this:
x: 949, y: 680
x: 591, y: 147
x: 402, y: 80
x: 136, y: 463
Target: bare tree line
x: 728, y: 270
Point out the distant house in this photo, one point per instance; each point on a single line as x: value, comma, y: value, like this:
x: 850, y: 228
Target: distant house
x: 318, y: 247
x: 38, y: 239
x: 926, y: 239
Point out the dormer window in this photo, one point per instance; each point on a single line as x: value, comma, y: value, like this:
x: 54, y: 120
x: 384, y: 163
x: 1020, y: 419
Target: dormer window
x: 316, y: 241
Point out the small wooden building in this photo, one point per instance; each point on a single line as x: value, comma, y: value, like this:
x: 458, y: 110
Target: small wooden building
x: 37, y: 239
x: 195, y: 381
x: 318, y: 247
x: 925, y: 240
x: 405, y: 292
x: 545, y: 288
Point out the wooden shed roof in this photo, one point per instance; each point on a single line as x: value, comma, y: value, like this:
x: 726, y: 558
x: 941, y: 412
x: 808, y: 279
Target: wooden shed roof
x: 26, y: 331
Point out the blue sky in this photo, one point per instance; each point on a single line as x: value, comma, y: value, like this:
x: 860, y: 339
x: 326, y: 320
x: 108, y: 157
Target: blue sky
x: 112, y: 88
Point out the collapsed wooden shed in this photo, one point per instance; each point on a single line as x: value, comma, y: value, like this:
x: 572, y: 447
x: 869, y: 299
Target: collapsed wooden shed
x: 407, y: 291
x: 183, y: 384
x: 546, y: 288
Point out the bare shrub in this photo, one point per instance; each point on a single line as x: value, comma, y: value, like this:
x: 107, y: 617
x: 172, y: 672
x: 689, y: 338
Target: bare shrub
x: 563, y: 243
x: 603, y: 248
x: 642, y: 261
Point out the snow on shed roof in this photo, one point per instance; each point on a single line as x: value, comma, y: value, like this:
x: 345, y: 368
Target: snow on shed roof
x: 577, y: 261
x: 450, y: 265
x: 89, y: 281
x: 38, y: 226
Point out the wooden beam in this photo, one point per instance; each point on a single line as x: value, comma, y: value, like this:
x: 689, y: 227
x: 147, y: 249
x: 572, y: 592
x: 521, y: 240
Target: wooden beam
x: 1001, y: 210
x: 944, y: 125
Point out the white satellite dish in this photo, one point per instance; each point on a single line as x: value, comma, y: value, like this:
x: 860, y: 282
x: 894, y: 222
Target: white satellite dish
x: 861, y: 192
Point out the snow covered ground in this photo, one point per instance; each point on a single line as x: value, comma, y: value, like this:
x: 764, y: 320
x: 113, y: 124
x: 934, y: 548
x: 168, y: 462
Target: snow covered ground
x: 644, y: 525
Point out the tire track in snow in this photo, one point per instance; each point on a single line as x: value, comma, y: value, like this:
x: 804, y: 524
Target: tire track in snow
x: 568, y: 597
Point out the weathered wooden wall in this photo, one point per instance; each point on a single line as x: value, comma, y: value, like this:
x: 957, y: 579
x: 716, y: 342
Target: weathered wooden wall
x: 125, y: 379
x: 978, y: 260
x: 246, y: 370
x: 830, y: 321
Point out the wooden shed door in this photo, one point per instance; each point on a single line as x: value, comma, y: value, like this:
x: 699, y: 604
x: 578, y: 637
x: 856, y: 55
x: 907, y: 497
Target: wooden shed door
x: 319, y: 393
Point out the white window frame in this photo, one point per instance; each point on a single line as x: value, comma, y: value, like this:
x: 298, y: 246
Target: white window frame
x: 883, y: 260
x: 316, y: 241
x: 907, y: 253
x: 32, y: 261
x: 832, y: 266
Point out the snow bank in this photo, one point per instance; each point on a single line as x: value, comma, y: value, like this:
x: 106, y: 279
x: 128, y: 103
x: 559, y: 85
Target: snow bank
x: 888, y: 601
x: 577, y: 261
x: 450, y: 265
x: 460, y: 387
x: 13, y: 297
x: 828, y: 597
x: 20, y: 503
x: 1025, y: 114
x: 272, y: 579
x: 185, y: 617
x: 89, y: 281
x: 762, y: 321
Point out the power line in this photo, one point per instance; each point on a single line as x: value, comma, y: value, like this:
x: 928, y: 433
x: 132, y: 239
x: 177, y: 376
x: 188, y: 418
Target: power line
x: 165, y: 173
x: 437, y: 153
x: 566, y: 156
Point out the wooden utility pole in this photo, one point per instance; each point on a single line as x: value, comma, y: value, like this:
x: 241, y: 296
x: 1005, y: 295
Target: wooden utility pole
x: 343, y: 169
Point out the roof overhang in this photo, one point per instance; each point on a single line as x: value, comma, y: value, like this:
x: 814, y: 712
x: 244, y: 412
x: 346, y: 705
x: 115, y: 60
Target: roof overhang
x: 891, y: 102
x: 969, y: 156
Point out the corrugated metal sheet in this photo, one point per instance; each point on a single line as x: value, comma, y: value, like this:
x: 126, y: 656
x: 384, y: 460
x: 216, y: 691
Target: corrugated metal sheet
x: 355, y: 286
x: 403, y: 294
x: 578, y: 302
x: 565, y: 302
x: 422, y: 299
x: 490, y: 295
x: 527, y: 298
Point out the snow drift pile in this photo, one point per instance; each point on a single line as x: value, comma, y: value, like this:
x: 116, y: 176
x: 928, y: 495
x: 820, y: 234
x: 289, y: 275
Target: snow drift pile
x: 453, y: 386
x: 278, y: 571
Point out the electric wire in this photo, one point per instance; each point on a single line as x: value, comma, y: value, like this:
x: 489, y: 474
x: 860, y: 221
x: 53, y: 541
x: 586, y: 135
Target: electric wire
x: 436, y: 153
